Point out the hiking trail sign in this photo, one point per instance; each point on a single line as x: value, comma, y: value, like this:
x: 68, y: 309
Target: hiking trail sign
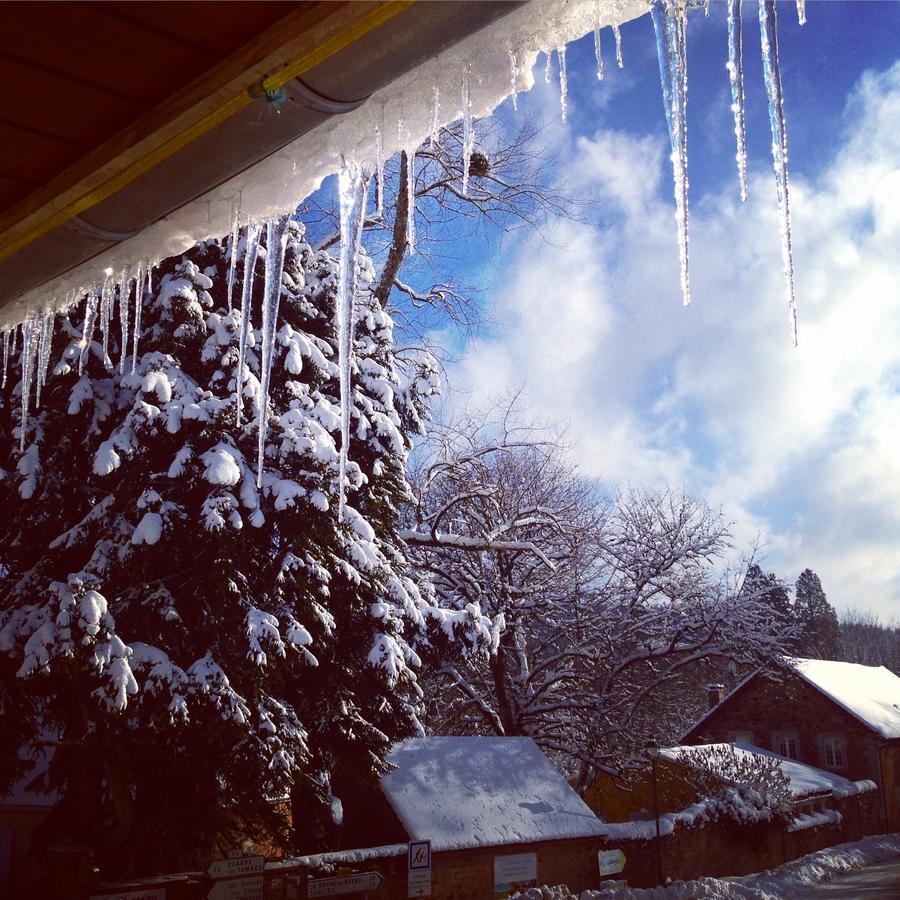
x: 611, y: 861
x: 418, y: 876
x: 344, y: 884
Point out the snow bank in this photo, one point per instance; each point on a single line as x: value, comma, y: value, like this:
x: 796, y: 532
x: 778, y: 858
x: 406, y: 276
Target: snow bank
x: 277, y: 184
x: 483, y: 791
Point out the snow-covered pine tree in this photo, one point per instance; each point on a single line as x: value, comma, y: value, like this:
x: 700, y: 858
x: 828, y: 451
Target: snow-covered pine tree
x: 190, y: 646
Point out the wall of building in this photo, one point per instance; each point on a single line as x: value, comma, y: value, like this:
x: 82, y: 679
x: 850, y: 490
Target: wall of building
x: 720, y: 849
x: 765, y: 706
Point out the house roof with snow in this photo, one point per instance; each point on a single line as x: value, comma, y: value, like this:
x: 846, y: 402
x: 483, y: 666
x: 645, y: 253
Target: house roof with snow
x: 870, y: 694
x: 462, y: 792
x: 805, y: 780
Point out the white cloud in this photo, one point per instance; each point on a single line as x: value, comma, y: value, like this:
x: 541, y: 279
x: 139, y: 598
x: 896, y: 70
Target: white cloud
x: 801, y: 445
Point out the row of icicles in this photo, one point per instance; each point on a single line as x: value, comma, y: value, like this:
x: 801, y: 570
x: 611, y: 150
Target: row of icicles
x: 670, y: 25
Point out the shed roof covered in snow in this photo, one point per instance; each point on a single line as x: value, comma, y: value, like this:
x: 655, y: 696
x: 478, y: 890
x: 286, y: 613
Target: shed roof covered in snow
x: 805, y: 780
x: 870, y: 694
x: 464, y: 792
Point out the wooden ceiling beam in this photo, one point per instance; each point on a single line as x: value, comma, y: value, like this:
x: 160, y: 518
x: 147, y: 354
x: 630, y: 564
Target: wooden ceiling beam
x: 295, y: 44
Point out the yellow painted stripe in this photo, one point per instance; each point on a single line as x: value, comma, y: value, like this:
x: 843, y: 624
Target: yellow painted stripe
x: 152, y: 158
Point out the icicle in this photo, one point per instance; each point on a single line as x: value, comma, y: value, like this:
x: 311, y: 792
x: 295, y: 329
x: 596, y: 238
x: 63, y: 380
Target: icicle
x: 379, y: 170
x: 598, y: 53
x: 735, y: 68
x: 801, y: 11
x: 45, y: 341
x: 563, y: 82
x: 138, y: 304
x: 669, y: 23
x: 250, y: 255
x: 435, y: 107
x: 124, y: 294
x: 276, y: 242
x: 768, y: 28
x: 90, y: 317
x: 618, y: 35
x: 513, y: 78
x: 411, y: 197
x: 467, y: 127
x: 105, y: 317
x: 5, y: 337
x: 27, y: 361
x: 235, y: 236
x: 706, y: 8
x: 547, y: 66
x: 353, y: 185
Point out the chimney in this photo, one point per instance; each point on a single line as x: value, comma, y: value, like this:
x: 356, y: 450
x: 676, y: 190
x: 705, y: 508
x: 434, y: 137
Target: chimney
x: 715, y: 694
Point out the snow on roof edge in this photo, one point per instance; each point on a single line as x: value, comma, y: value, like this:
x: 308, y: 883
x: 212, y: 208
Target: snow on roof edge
x: 277, y: 184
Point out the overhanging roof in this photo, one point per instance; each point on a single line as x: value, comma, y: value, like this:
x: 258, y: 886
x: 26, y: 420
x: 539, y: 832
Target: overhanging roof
x: 116, y: 114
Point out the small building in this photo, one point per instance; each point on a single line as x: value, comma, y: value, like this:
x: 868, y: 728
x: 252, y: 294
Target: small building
x: 497, y: 812
x: 838, y: 716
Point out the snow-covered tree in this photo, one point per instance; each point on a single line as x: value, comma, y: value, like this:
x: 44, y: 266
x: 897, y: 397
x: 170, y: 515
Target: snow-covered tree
x: 194, y: 642
x: 603, y: 612
x: 820, y: 637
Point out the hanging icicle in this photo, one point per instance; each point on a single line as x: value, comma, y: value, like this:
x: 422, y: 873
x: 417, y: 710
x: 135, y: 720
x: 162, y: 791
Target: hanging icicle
x: 276, y: 242
x: 234, y: 235
x: 618, y: 36
x: 735, y: 67
x: 513, y: 78
x: 124, y: 295
x: 9, y: 338
x: 87, y: 335
x: 45, y: 342
x: 30, y: 328
x: 379, y: 169
x: 250, y: 255
x: 801, y: 11
x: 547, y: 66
x: 353, y: 186
x: 563, y: 82
x: 768, y: 28
x: 435, y: 108
x: 598, y: 53
x: 670, y: 25
x: 467, y: 127
x: 138, y: 305
x: 411, y: 196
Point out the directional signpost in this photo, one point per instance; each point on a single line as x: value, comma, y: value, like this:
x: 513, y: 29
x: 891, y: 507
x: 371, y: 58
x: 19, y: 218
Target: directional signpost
x: 344, y: 884
x: 611, y: 861
x: 418, y: 879
x: 238, y: 878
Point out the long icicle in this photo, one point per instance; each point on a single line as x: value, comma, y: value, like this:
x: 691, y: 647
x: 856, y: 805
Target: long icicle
x: 618, y: 36
x: 45, y: 339
x: 235, y: 235
x: 8, y: 338
x: 353, y: 185
x: 563, y: 82
x: 735, y: 68
x: 124, y: 300
x: 411, y: 196
x: 87, y: 335
x: 276, y: 242
x: 27, y: 361
x: 467, y: 126
x: 801, y: 11
x: 768, y: 29
x: 435, y: 108
x: 379, y: 168
x: 598, y: 53
x: 670, y: 25
x: 250, y: 255
x: 513, y: 78
x: 138, y: 306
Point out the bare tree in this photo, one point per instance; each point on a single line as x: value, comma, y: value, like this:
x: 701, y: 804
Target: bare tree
x: 507, y: 190
x: 602, y: 608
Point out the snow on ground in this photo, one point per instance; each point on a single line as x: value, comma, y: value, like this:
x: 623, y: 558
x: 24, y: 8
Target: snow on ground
x: 788, y: 880
x: 483, y: 791
x: 871, y: 693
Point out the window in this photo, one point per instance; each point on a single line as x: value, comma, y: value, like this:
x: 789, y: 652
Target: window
x: 740, y: 737
x: 784, y: 743
x: 832, y: 751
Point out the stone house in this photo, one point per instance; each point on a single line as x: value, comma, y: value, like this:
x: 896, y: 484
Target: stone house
x: 837, y: 716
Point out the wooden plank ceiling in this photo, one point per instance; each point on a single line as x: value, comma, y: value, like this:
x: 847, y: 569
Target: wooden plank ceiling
x: 75, y: 74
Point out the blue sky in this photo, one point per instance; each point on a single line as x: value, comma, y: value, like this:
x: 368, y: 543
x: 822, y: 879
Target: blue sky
x: 798, y: 447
